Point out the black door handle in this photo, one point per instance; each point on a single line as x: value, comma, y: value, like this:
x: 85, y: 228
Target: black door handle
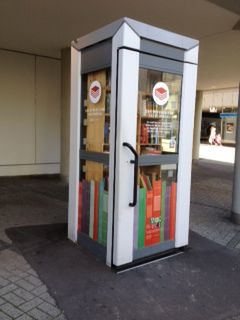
x: 135, y: 162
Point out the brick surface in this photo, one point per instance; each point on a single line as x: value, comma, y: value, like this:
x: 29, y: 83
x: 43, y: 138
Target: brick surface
x: 38, y: 291
x: 3, y: 282
x: 7, y: 289
x: 31, y: 304
x: 49, y: 309
x: 24, y: 317
x: 11, y: 311
x: 23, y: 294
x: 20, y: 286
x: 34, y: 281
x: 211, y: 197
x: 25, y: 285
x: 3, y: 316
x: 14, y: 299
x: 61, y: 317
x: 46, y: 297
x: 39, y: 315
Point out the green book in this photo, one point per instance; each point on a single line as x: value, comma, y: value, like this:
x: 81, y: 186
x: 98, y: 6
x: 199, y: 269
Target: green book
x: 100, y: 210
x: 163, y: 211
x: 141, y: 217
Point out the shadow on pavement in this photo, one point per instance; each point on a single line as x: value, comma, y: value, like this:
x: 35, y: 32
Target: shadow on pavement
x: 202, y: 283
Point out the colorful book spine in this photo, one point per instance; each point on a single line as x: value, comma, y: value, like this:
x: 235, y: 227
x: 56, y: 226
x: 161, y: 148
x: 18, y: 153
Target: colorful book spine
x: 95, y: 224
x: 88, y: 206
x: 135, y: 224
x: 80, y: 206
x: 149, y: 213
x: 163, y: 202
x: 91, y: 213
x: 105, y: 218
x: 100, y: 210
x: 156, y: 221
x: 141, y: 217
x: 167, y: 213
x: 173, y: 211
x: 84, y: 206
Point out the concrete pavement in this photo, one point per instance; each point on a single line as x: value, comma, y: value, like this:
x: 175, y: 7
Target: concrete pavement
x: 27, y: 201
x: 44, y: 276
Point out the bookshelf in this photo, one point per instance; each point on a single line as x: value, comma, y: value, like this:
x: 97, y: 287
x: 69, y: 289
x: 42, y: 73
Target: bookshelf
x: 148, y: 120
x: 96, y: 122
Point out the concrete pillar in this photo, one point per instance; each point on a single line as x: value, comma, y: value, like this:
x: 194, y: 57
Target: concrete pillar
x: 197, y: 125
x: 236, y: 178
x: 65, y: 112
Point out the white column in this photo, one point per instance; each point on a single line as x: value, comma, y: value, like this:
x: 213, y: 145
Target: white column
x: 74, y: 144
x: 236, y: 179
x: 197, y: 125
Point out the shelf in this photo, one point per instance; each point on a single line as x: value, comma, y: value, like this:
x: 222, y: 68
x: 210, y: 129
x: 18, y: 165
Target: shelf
x: 107, y: 114
x: 150, y: 118
x: 146, y: 94
x: 150, y: 144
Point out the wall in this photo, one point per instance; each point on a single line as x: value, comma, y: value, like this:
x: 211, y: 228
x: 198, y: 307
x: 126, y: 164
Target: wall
x: 29, y: 114
x: 220, y: 98
x: 65, y: 112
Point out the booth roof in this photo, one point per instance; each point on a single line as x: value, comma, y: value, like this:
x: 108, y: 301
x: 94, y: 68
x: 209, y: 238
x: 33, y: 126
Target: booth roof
x: 141, y: 29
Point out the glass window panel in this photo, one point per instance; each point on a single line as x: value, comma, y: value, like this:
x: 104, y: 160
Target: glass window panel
x: 96, y: 95
x: 158, y: 125
x: 93, y: 201
x: 155, y: 215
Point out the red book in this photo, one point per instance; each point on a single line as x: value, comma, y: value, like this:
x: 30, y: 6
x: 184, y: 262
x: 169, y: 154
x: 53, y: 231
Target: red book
x: 95, y: 224
x: 173, y: 211
x: 149, y: 213
x: 80, y: 206
x: 156, y: 217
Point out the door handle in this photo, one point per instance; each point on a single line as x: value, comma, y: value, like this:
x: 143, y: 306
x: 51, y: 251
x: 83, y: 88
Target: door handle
x: 135, y: 162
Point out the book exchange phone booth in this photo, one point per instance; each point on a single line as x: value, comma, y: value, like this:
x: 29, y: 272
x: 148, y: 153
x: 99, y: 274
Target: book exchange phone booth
x: 132, y: 112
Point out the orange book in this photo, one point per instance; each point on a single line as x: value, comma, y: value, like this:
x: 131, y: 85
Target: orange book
x: 173, y: 211
x: 80, y: 207
x: 95, y: 223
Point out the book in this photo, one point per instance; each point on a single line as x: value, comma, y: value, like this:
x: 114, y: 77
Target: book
x: 100, y: 210
x: 142, y: 182
x: 95, y: 224
x: 163, y: 198
x: 136, y: 223
x: 88, y: 207
x: 141, y: 217
x: 85, y: 206
x: 91, y: 213
x: 149, y: 213
x: 167, y: 213
x: 173, y: 210
x: 147, y: 182
x: 105, y: 218
x: 79, y: 206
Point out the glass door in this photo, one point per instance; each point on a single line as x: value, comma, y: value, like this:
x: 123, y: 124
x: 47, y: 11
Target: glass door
x: 147, y: 162
x: 159, y: 97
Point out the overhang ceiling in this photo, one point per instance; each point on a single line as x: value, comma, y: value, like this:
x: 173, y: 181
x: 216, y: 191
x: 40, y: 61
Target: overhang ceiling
x: 46, y: 26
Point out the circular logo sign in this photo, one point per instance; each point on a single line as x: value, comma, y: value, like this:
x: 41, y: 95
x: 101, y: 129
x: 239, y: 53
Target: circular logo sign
x: 160, y: 93
x: 95, y: 91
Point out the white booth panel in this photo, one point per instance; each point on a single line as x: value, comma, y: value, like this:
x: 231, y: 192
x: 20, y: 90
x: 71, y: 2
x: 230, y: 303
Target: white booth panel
x: 48, y: 110
x: 17, y: 111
